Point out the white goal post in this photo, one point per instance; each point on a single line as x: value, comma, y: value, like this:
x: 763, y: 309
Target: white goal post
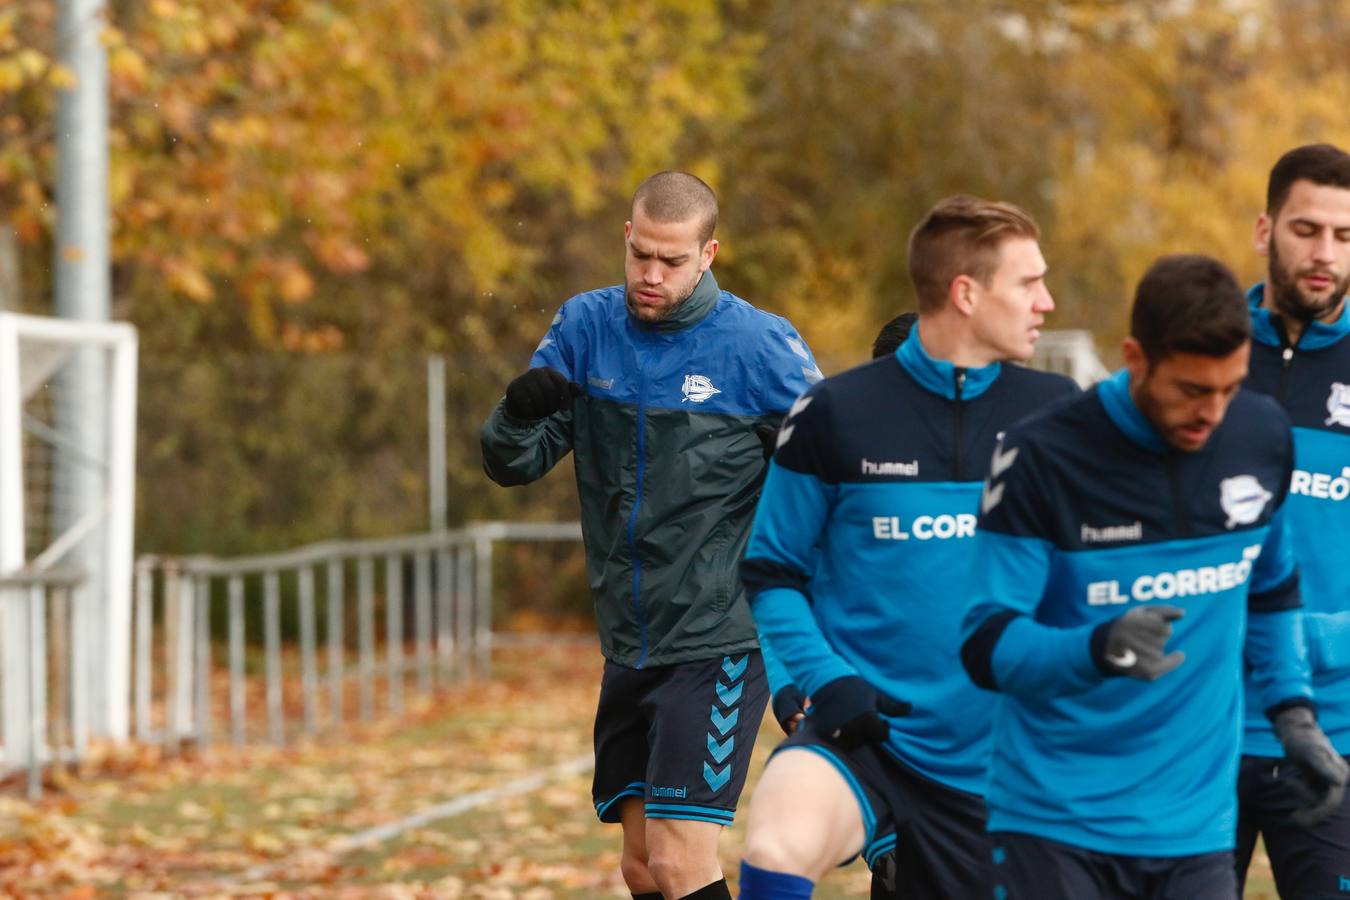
x: 34, y: 350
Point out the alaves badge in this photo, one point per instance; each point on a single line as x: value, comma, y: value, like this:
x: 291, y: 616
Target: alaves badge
x: 1338, y: 405
x: 1242, y: 498
x: 698, y: 388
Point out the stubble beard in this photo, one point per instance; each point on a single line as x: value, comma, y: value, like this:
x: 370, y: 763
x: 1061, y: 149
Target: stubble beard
x: 664, y: 312
x: 1291, y: 302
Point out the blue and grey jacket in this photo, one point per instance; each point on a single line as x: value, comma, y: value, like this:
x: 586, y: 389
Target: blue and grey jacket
x: 1086, y: 514
x: 1311, y: 380
x: 861, y: 551
x: 668, y: 463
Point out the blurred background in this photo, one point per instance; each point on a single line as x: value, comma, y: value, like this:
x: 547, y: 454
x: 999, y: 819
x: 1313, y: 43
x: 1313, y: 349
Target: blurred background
x: 310, y: 197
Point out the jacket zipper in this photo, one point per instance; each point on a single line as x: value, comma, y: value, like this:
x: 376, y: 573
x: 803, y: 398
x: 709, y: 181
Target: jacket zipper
x: 1179, y: 518
x: 959, y: 379
x: 632, y: 516
x: 1286, y: 359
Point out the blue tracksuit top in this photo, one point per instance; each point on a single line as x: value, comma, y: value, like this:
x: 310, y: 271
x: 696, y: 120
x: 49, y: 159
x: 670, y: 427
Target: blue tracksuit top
x: 1087, y: 513
x: 861, y: 551
x: 1312, y: 382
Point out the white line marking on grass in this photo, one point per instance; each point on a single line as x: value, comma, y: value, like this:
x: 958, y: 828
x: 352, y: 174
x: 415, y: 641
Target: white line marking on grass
x: 448, y: 810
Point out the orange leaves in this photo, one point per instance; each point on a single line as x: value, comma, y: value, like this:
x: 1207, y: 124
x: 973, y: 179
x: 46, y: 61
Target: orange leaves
x: 184, y: 278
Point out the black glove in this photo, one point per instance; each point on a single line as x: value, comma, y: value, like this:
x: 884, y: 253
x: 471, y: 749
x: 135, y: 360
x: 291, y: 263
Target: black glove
x: 768, y: 436
x: 788, y: 703
x: 1132, y: 644
x: 540, y: 393
x: 1319, y: 784
x: 848, y: 711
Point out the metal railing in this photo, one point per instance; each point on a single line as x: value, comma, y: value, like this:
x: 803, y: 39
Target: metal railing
x: 443, y: 580
x: 1071, y: 352
x: 52, y: 670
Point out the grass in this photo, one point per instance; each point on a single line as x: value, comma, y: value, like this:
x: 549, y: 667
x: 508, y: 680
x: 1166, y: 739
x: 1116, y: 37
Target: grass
x: 200, y: 825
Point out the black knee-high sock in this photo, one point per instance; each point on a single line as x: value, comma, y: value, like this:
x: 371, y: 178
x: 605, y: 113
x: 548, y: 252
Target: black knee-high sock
x: 716, y: 891
x: 652, y: 895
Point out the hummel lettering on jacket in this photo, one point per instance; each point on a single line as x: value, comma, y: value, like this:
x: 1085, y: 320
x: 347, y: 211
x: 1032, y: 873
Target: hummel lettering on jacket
x: 1087, y: 514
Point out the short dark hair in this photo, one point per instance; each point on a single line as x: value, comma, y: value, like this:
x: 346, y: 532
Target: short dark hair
x: 678, y: 197
x: 1189, y: 304
x: 961, y: 235
x: 1322, y: 164
x: 893, y: 334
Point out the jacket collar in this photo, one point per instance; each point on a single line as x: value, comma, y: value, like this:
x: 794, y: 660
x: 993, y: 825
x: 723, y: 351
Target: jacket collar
x: 693, y: 310
x: 938, y: 375
x: 1315, y: 336
x: 1120, y: 407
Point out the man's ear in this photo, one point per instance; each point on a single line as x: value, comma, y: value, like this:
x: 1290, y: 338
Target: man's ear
x: 709, y: 251
x: 963, y: 294
x: 1136, y: 360
x: 1261, y: 234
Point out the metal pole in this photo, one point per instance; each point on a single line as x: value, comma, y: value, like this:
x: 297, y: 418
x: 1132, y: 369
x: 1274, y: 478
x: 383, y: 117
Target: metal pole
x: 463, y: 608
x: 172, y: 676
x: 365, y: 626
x: 13, y: 615
x: 335, y: 660
x: 436, y: 469
x: 482, y: 570
x: 184, y: 656
x: 81, y: 685
x: 203, y: 623
x: 393, y: 623
x: 422, y: 609
x: 309, y: 671
x: 272, y: 639
x: 145, y: 591
x: 82, y: 282
x: 237, y: 710
x: 37, y: 687
x: 445, y: 635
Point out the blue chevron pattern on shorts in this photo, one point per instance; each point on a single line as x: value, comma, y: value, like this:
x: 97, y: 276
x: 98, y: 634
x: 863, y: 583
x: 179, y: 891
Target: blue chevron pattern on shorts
x: 720, y: 743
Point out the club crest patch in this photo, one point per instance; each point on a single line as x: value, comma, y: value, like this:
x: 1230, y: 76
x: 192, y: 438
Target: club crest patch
x: 698, y: 388
x: 1338, y: 405
x: 1242, y: 498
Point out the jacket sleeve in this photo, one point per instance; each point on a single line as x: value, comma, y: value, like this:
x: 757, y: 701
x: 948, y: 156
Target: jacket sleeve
x: 1275, y: 646
x: 1328, y: 639
x: 515, y: 451
x: 1004, y: 648
x: 786, y: 369
x: 793, y: 512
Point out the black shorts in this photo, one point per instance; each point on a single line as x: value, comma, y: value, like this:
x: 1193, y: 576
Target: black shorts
x: 1308, y: 863
x: 1028, y: 867
x: 921, y: 838
x: 679, y: 736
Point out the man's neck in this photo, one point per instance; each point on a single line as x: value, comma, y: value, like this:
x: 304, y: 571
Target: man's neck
x: 949, y: 337
x: 1293, y: 328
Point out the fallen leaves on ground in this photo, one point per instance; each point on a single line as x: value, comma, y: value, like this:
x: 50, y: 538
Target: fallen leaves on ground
x: 264, y: 821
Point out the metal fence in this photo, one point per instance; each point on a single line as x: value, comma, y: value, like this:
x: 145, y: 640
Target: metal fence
x: 1070, y: 352
x: 53, y: 667
x: 432, y: 593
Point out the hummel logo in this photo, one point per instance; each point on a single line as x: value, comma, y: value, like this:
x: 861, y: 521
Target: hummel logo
x: 1001, y: 462
x: 890, y: 468
x: 603, y: 384
x: 1110, y: 533
x: 992, y: 496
